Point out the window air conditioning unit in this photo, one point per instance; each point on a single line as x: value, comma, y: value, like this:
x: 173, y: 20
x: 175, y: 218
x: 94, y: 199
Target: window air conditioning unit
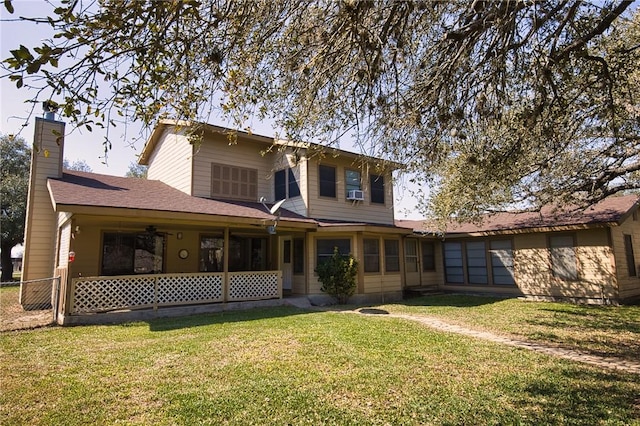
x: 355, y: 195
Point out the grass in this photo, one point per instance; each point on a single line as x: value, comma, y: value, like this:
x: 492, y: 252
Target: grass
x: 287, y: 366
x: 598, y: 330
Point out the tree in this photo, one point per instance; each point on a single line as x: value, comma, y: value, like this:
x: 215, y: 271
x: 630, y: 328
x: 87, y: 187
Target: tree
x: 137, y: 171
x: 488, y: 103
x: 16, y: 158
x: 338, y: 276
x: 77, y: 165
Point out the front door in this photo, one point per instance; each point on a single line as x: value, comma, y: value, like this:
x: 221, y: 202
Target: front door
x: 411, y: 263
x: 285, y: 263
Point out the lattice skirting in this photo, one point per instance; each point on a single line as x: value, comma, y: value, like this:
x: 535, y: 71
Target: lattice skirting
x: 253, y: 286
x: 105, y: 294
x: 101, y: 294
x: 189, y: 289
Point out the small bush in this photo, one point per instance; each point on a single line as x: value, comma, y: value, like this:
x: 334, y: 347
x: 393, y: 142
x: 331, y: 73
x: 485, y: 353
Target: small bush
x: 338, y: 276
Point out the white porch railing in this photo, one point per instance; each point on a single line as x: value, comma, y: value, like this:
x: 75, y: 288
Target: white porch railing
x: 102, y: 294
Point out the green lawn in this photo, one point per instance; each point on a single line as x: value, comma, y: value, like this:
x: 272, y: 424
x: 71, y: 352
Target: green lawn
x: 286, y: 366
x: 599, y: 330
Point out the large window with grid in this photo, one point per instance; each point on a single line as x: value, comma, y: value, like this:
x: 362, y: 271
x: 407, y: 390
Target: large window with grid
x: 479, y: 262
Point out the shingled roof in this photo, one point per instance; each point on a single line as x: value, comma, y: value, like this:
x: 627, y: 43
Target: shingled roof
x: 610, y: 211
x: 96, y: 190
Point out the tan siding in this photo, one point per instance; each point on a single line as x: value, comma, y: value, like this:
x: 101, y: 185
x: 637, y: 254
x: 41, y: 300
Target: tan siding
x: 628, y: 287
x: 64, y: 244
x: 216, y: 149
x: 171, y: 161
x: 533, y: 273
x: 340, y: 208
x: 382, y: 283
x: 41, y: 222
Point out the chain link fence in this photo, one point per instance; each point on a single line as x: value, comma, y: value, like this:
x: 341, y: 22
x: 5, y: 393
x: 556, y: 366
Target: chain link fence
x: 27, y: 304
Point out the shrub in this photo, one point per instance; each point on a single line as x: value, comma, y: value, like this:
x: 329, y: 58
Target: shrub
x: 338, y: 276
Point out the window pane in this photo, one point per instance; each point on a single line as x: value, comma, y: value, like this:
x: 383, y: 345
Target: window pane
x: 211, y: 254
x: 631, y: 260
x: 298, y: 255
x: 428, y: 256
x: 148, y: 254
x: 280, y: 185
x: 294, y: 189
x: 377, y: 189
x: 352, y: 180
x: 502, y: 262
x: 563, y: 257
x: 371, y: 255
x: 117, y: 254
x: 327, y: 181
x: 286, y: 255
x: 477, y: 262
x: 324, y: 248
x: 453, y: 263
x: 392, y: 255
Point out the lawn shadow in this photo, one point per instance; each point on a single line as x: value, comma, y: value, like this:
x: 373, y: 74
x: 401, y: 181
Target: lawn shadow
x: 576, y: 396
x: 452, y: 300
x: 205, y: 319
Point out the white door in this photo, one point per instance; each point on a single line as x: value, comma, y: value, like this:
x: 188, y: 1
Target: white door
x: 285, y: 263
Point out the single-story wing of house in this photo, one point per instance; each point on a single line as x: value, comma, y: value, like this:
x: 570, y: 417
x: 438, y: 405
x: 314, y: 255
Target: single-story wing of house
x: 578, y: 254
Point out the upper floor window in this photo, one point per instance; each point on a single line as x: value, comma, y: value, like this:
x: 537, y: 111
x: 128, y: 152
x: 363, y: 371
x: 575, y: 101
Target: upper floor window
x: 285, y: 184
x: 563, y: 257
x: 234, y: 182
x: 327, y: 177
x: 377, y: 189
x: 352, y: 181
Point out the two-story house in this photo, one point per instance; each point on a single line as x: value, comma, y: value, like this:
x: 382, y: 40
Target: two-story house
x: 217, y: 221
x: 229, y: 221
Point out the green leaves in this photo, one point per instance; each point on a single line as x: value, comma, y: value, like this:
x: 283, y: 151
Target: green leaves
x: 9, y: 6
x: 396, y: 77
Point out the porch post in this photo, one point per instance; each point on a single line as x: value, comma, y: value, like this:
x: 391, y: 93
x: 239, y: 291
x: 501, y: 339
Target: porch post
x: 225, y: 266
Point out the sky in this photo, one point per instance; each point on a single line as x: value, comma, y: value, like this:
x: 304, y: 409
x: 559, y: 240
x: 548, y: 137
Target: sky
x: 80, y: 144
